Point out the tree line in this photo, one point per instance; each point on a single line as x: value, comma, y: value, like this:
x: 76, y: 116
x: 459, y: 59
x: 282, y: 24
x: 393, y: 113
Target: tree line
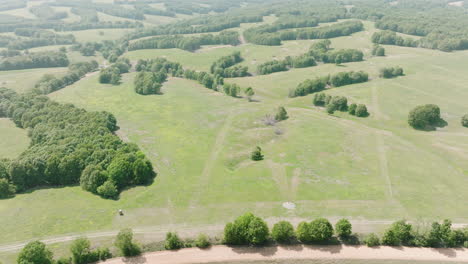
x: 46, y: 12
x: 113, y: 74
x: 336, y: 80
x: 186, y: 43
x: 196, y: 26
x: 322, y: 52
x: 391, y: 38
x: 153, y: 73
x: 251, y: 230
x: 32, y: 38
x: 261, y: 35
x: 225, y: 68
x: 110, y: 50
x: 46, y: 59
x: 301, y: 61
x: 50, y: 83
x: 339, y: 103
x: 70, y: 146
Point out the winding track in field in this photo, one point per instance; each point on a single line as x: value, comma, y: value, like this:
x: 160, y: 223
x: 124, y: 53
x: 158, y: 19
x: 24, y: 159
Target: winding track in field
x: 220, y: 254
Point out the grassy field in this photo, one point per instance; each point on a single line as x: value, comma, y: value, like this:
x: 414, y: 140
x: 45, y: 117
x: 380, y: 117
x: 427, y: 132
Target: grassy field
x: 15, y: 139
x: 328, y: 165
x: 23, y: 80
x: 93, y: 35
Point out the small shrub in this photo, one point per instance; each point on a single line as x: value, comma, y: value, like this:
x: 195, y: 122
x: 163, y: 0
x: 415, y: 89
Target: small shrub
x: 372, y: 240
x: 343, y: 228
x: 283, y: 232
x: 424, y: 115
x: 64, y: 260
x: 173, y: 242
x: 108, y: 190
x: 281, y: 114
x: 352, y: 109
x: 464, y: 120
x: 257, y: 154
x: 104, y: 253
x: 202, y: 241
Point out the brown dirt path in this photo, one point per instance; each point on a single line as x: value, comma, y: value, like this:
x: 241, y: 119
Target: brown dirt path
x: 222, y: 254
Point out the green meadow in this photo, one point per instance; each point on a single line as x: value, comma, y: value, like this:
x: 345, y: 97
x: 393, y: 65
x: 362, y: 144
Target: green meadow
x: 199, y: 141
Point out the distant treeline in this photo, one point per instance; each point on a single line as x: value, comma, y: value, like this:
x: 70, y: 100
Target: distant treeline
x: 70, y: 146
x: 186, y: 43
x: 110, y: 50
x: 47, y: 13
x: 34, y: 37
x: 319, y: 51
x: 60, y: 26
x: 196, y: 25
x: 50, y: 83
x: 113, y: 74
x: 262, y: 35
x: 441, y: 27
x: 12, y: 4
x: 391, y: 38
x: 225, y: 68
x: 34, y: 60
x: 336, y: 80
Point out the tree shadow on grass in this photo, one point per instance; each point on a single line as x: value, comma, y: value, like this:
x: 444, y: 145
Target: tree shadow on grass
x: 441, y: 123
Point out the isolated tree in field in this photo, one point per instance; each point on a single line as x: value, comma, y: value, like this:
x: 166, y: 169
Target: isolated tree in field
x: 361, y: 111
x: 281, y: 114
x: 423, y: 116
x: 256, y: 155
x: 247, y: 229
x: 124, y: 242
x: 283, y: 232
x: 464, y: 120
x: 343, y: 228
x: 35, y: 253
x: 249, y: 92
x: 173, y: 242
x: 378, y: 50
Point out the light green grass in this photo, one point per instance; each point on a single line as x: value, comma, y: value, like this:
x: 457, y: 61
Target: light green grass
x: 92, y: 35
x: 14, y: 140
x: 329, y: 165
x: 24, y: 80
x: 20, y: 12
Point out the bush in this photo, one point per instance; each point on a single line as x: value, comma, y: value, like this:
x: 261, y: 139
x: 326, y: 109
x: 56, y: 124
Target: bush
x: 257, y: 154
x: 399, y: 233
x: 378, y: 50
x: 35, y: 253
x: 125, y: 244
x: 424, y: 116
x: 202, y: 241
x: 372, y: 240
x: 343, y: 228
x: 246, y: 230
x: 64, y: 260
x: 361, y: 111
x: 281, y: 114
x: 283, y: 232
x: 391, y: 72
x: 104, y: 253
x: 173, y: 242
x: 464, y: 120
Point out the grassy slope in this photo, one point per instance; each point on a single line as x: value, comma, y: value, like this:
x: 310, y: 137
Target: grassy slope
x: 339, y: 165
x: 14, y: 140
x: 23, y: 80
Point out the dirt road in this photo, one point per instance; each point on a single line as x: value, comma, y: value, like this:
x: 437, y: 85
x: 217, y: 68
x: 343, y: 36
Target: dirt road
x: 223, y: 253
